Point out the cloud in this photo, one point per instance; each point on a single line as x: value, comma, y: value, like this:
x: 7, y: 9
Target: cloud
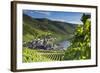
x: 69, y: 21
x: 76, y: 22
x: 44, y: 12
x: 62, y: 20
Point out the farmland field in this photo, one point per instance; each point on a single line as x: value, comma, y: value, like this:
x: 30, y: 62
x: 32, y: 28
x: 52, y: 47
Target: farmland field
x: 31, y: 55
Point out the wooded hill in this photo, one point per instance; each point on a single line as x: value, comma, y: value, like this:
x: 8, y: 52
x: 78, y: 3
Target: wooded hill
x: 38, y: 27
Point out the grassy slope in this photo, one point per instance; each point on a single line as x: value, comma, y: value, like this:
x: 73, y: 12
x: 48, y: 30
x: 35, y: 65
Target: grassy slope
x: 34, y: 28
x: 30, y: 55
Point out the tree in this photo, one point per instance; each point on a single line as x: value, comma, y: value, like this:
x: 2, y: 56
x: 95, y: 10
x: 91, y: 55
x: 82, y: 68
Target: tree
x: 80, y: 45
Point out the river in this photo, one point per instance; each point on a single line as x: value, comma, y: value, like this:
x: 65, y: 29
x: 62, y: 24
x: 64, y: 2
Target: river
x: 65, y: 44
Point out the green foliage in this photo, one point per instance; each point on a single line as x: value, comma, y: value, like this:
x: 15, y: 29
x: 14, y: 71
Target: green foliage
x: 32, y: 55
x: 80, y: 48
x: 34, y: 28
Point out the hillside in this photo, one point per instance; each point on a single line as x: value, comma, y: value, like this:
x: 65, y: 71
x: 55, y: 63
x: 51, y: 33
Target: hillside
x: 38, y: 27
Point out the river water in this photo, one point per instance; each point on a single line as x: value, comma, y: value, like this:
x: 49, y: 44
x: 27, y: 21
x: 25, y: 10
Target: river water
x: 65, y: 44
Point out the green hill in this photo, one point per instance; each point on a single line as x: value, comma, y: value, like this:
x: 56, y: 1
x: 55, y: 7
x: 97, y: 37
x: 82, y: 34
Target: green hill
x: 38, y: 27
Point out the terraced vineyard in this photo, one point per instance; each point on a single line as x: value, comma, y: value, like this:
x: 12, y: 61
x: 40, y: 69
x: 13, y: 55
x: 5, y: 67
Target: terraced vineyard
x: 54, y: 56
x: 30, y: 55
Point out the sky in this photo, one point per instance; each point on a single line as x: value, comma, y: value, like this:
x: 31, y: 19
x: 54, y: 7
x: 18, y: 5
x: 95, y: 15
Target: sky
x: 70, y: 17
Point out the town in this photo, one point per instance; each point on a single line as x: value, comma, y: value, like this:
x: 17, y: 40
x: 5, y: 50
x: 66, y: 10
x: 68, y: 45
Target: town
x: 46, y: 43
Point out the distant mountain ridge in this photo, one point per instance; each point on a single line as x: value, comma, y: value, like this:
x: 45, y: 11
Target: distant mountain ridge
x: 35, y: 26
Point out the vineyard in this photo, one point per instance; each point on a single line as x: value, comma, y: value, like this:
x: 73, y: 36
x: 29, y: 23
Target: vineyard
x: 30, y: 55
x: 45, y: 40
